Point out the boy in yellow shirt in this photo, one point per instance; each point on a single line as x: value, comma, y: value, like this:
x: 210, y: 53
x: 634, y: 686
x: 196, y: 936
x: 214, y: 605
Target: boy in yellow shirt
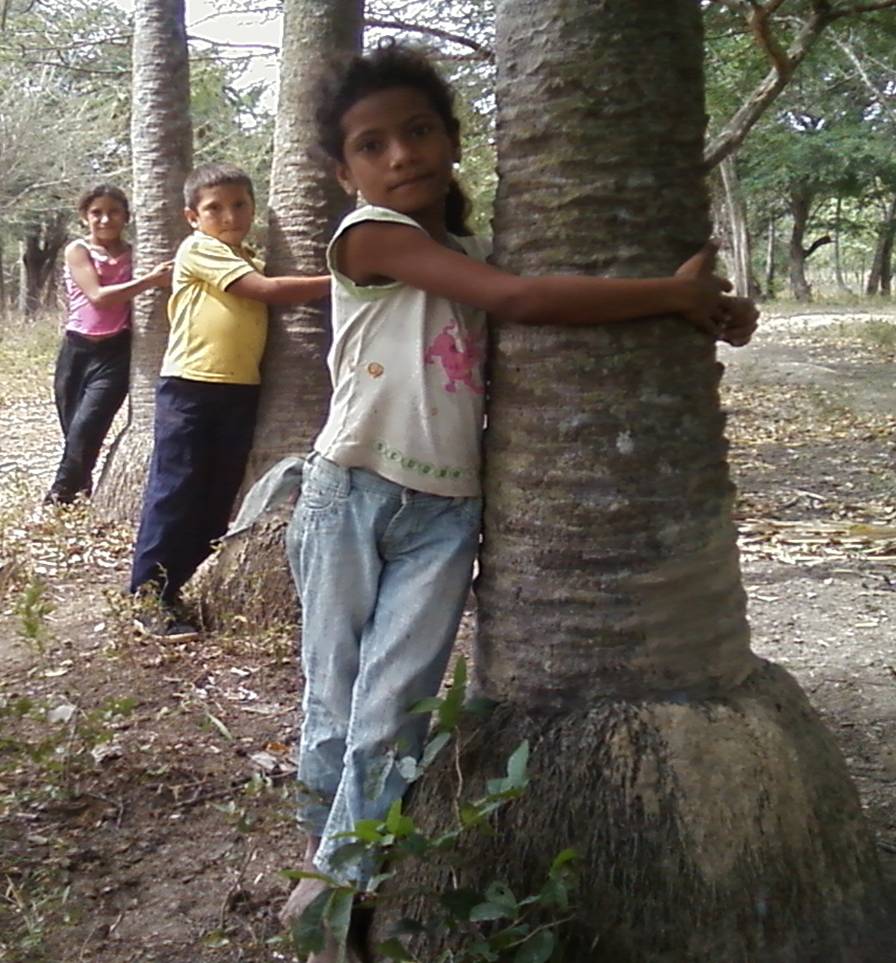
x: 207, y: 396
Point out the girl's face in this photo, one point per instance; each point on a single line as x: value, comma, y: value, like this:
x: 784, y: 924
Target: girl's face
x: 105, y: 218
x: 398, y: 154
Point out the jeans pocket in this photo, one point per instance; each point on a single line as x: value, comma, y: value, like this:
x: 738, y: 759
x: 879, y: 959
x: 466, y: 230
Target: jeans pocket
x: 321, y: 490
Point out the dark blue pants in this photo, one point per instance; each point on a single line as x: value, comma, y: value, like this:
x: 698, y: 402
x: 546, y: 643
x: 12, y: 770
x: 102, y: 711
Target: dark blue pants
x: 90, y: 383
x: 203, y: 436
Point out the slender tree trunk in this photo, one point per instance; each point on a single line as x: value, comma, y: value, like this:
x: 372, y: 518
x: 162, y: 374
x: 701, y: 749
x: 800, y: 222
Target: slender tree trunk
x: 713, y: 813
x: 161, y: 140
x: 842, y: 286
x: 4, y: 307
x: 770, y: 258
x: 740, y: 237
x: 250, y: 577
x: 881, y: 265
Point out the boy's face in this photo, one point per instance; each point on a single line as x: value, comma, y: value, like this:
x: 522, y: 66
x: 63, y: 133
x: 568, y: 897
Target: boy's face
x: 224, y: 212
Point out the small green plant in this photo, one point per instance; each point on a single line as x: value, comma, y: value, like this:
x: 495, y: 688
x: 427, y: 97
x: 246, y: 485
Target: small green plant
x: 32, y: 610
x: 880, y: 334
x: 62, y: 742
x: 487, y: 925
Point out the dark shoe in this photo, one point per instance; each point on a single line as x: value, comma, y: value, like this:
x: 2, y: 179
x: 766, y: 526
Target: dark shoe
x: 165, y: 625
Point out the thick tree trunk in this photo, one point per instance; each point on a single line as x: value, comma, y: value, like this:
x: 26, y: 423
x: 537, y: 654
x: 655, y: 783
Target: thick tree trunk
x: 713, y: 813
x: 161, y: 139
x: 881, y: 265
x: 249, y: 577
x: 799, y: 208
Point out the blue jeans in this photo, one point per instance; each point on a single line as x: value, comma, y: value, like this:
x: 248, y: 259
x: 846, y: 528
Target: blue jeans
x: 383, y: 573
x: 203, y: 436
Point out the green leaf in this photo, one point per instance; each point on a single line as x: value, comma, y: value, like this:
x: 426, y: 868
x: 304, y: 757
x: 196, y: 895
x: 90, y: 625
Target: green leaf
x: 216, y: 939
x: 452, y: 704
x: 489, y: 911
x: 537, y: 949
x: 216, y: 722
x: 460, y: 902
x: 365, y: 829
x: 554, y: 894
x: 338, y: 914
x: 480, y: 706
x: 517, y: 764
x: 432, y: 704
x: 434, y: 747
x: 394, y: 950
x: 349, y: 853
x: 307, y: 931
x: 501, y: 894
x: 298, y: 874
x: 562, y: 860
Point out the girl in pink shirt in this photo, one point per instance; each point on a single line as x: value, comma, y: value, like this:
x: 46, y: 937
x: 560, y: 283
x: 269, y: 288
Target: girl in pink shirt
x: 93, y: 366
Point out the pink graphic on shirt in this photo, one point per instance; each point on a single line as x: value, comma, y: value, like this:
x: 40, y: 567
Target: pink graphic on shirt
x: 459, y: 361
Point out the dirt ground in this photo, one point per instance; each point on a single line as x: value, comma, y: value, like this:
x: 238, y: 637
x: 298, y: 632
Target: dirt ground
x: 145, y: 788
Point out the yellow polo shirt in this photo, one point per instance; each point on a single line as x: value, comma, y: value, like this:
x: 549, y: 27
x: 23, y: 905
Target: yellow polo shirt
x: 214, y: 336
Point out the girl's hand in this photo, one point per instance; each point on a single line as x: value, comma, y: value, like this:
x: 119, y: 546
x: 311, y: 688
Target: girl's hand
x: 160, y: 275
x: 703, y: 301
x: 741, y: 317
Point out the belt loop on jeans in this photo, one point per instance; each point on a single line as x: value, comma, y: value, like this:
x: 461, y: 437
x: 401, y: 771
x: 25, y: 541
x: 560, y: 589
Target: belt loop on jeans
x: 406, y: 495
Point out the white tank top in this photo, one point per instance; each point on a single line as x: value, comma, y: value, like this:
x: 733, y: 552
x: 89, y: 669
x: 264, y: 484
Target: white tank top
x: 407, y: 372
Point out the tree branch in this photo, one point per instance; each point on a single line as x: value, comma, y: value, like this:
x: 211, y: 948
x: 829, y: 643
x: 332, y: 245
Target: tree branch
x: 482, y: 52
x: 816, y: 244
x: 768, y: 89
x: 879, y: 97
x: 765, y: 39
x: 860, y: 8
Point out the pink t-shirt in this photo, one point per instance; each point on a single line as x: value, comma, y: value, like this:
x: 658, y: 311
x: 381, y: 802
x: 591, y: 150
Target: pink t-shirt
x: 86, y: 318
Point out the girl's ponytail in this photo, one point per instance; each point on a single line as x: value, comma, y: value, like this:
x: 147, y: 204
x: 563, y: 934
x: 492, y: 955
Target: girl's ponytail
x: 457, y: 210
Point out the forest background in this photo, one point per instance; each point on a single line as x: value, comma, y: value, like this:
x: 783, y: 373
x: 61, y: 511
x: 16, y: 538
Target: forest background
x: 800, y: 148
x: 805, y: 205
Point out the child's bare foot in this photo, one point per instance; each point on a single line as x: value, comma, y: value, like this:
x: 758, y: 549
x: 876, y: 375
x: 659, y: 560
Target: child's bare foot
x: 300, y: 899
x: 307, y: 890
x: 330, y: 954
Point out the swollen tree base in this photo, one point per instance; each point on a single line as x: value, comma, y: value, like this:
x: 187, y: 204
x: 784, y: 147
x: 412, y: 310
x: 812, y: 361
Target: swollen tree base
x: 247, y: 582
x: 119, y: 493
x: 724, y: 830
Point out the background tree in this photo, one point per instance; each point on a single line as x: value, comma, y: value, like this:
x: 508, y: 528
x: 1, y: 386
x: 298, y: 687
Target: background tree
x: 161, y: 143
x: 250, y: 576
x: 712, y: 811
x: 61, y: 123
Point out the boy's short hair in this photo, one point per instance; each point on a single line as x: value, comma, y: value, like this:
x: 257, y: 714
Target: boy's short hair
x: 213, y: 175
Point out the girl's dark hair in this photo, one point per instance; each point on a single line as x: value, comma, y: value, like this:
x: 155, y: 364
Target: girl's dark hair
x: 103, y: 190
x: 390, y: 65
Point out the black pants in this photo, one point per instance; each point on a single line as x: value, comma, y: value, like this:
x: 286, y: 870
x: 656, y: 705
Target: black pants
x: 203, y: 436
x: 90, y: 383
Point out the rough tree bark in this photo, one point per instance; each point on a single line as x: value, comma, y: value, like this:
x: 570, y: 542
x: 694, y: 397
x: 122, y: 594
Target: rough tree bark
x: 881, y: 265
x: 800, y: 205
x: 712, y: 810
x: 41, y: 246
x: 249, y: 576
x: 161, y: 143
x: 738, y: 230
